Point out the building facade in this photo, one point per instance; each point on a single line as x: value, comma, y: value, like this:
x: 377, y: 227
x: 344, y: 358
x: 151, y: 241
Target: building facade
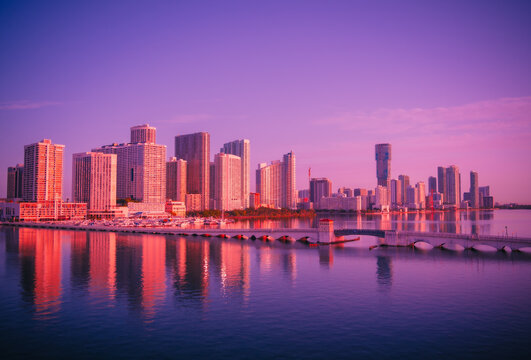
x: 176, y: 179
x: 43, y: 171
x: 228, y: 182
x: 319, y: 188
x: 383, y: 163
x: 453, y: 186
x: 242, y: 148
x: 94, y: 181
x: 195, y: 149
x: 276, y: 183
x: 474, y: 190
x: 143, y: 134
x: 15, y: 182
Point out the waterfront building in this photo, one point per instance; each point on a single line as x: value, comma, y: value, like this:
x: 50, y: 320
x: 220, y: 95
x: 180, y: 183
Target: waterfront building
x: 43, y: 171
x: 212, y: 185
x: 195, y: 149
x: 319, y: 187
x: 383, y: 163
x: 143, y: 134
x: 176, y: 208
x: 94, y: 181
x: 228, y: 182
x: 141, y: 167
x: 193, y: 202
x: 43, y: 210
x: 488, y: 202
x: 176, y: 179
x: 453, y: 181
x: 483, y: 191
x: 15, y: 182
x: 242, y: 148
x: 395, y: 193
x: 412, y: 198
x: 381, y: 198
x: 432, y: 184
x: 276, y: 183
x: 421, y: 194
x: 303, y: 195
x: 474, y: 190
x: 442, y: 182
x: 404, y: 185
x: 145, y: 209
x: 254, y: 200
x: 341, y: 203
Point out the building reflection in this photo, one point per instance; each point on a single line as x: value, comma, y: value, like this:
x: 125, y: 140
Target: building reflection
x: 384, y: 272
x: 129, y: 269
x: 40, y: 255
x: 153, y: 273
x: 235, y: 269
x: 80, y: 259
x: 326, y: 256
x: 102, y: 263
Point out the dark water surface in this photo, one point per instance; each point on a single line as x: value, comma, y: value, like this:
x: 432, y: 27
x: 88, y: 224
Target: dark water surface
x: 75, y: 294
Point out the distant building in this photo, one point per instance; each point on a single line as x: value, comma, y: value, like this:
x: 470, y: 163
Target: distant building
x: 42, y: 211
x: 484, y: 191
x: 254, y: 200
x: 421, y: 194
x: 361, y: 192
x: 43, y: 171
x: 94, y: 182
x: 176, y: 179
x: 488, y: 202
x: 432, y: 184
x: 453, y: 186
x: 474, y: 190
x: 381, y: 198
x: 348, y: 192
x: 195, y: 149
x: 228, y: 182
x: 404, y: 185
x: 383, y: 163
x: 176, y: 208
x: 442, y: 182
x: 319, y: 187
x: 15, y: 182
x: 242, y: 148
x: 276, y: 183
x: 395, y: 193
x: 194, y: 202
x: 141, y: 167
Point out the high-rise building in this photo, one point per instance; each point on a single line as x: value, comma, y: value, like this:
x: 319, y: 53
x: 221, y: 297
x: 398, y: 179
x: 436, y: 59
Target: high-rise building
x: 420, y: 187
x: 404, y: 183
x: 441, y: 182
x: 43, y: 171
x: 484, y: 191
x: 348, y: 192
x: 176, y: 179
x: 432, y: 184
x: 228, y: 182
x: 453, y: 197
x: 474, y: 190
x: 15, y: 182
x: 195, y: 149
x: 242, y: 148
x: 383, y: 163
x: 143, y: 134
x: 141, y: 169
x: 396, y: 193
x: 94, y: 180
x: 276, y: 182
x: 319, y: 188
x: 289, y: 190
x: 381, y: 200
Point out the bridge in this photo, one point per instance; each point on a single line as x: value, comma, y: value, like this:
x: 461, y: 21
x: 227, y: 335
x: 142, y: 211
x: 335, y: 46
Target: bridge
x: 324, y: 234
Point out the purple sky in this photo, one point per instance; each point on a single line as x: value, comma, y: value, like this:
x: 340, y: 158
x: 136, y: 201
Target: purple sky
x: 445, y: 82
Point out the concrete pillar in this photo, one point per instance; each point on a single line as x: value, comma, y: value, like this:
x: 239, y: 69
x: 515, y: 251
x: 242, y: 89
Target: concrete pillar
x: 326, y: 231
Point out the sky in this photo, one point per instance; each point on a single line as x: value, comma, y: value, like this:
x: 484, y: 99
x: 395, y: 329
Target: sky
x: 445, y: 82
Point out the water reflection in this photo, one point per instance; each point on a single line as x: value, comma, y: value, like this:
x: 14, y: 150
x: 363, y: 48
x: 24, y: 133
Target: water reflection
x: 384, y: 272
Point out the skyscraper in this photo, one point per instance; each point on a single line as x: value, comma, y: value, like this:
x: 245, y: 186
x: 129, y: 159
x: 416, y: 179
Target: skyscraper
x: 396, y: 193
x: 319, y: 188
x: 289, y: 190
x: 242, y: 148
x: 432, y: 184
x: 141, y: 168
x: 453, y: 186
x: 441, y: 182
x: 404, y: 183
x: 15, y: 182
x: 276, y: 182
x: 474, y: 190
x: 176, y: 179
x: 383, y: 163
x: 228, y: 182
x: 143, y: 134
x: 195, y: 149
x: 94, y: 180
x: 43, y: 171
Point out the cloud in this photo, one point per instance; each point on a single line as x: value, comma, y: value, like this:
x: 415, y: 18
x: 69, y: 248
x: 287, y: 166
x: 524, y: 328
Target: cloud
x: 492, y: 116
x: 26, y: 104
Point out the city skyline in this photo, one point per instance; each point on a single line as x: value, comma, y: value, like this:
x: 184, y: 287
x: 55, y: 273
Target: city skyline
x: 327, y: 81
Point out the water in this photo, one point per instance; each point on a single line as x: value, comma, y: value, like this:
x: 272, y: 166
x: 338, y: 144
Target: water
x: 75, y: 294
